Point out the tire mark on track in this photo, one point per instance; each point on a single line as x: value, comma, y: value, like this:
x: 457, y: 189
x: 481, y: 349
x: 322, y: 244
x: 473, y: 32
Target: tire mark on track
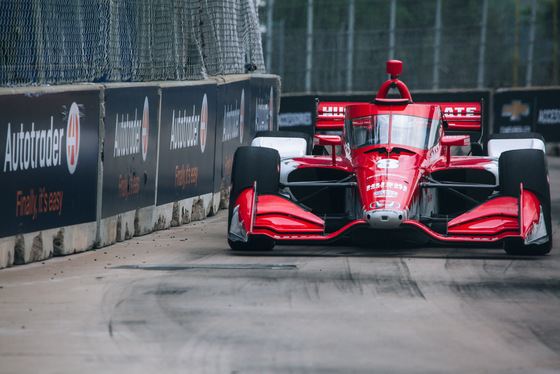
x: 408, y: 282
x: 349, y: 281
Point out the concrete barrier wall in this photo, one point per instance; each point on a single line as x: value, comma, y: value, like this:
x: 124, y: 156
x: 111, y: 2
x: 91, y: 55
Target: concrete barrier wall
x: 85, y: 166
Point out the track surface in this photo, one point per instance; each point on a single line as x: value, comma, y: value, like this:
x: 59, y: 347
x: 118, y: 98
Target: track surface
x: 179, y: 301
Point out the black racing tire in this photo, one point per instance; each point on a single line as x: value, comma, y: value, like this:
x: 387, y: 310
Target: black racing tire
x: 527, y: 166
x: 288, y: 134
x: 252, y: 164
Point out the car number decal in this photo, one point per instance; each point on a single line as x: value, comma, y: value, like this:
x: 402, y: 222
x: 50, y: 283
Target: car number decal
x: 387, y: 163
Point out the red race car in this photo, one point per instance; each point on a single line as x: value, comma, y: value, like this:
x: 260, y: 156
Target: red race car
x: 392, y: 169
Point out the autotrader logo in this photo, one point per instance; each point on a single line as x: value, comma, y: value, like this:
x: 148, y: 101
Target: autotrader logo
x: 271, y: 111
x: 203, y: 123
x: 145, y: 129
x: 73, y: 138
x: 241, y: 116
x: 41, y: 145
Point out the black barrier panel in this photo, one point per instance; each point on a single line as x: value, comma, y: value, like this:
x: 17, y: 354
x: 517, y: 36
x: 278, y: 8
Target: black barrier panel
x: 187, y: 142
x: 130, y: 149
x: 49, y: 144
x: 264, y: 103
x: 234, y: 127
x: 514, y: 111
x: 547, y: 114
x: 528, y: 110
x: 297, y: 113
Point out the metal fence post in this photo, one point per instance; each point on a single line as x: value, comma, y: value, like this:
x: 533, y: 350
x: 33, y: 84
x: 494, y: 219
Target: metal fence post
x: 516, y: 46
x: 269, y: 13
x: 309, y: 50
x: 437, y: 43
x: 392, y: 26
x: 555, y: 42
x: 350, y: 51
x: 482, y: 46
x: 39, y: 42
x: 530, y: 52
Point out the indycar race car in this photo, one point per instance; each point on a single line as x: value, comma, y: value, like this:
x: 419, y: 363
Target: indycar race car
x: 387, y: 169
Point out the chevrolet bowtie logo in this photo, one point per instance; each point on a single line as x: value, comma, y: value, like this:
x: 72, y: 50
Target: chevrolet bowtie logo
x: 515, y: 110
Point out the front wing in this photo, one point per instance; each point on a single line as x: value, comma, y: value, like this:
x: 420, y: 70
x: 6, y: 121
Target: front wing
x: 284, y: 221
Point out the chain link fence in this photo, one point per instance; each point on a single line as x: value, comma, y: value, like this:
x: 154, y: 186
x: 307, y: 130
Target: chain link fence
x: 74, y: 41
x: 444, y: 44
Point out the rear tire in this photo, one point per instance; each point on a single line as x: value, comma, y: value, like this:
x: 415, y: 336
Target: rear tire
x: 527, y: 166
x: 252, y: 164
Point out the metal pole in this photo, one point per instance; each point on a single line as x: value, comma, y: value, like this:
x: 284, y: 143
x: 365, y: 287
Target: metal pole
x: 392, y: 24
x: 350, y: 42
x: 309, y: 50
x: 555, y: 42
x: 516, y: 47
x: 482, y: 45
x: 40, y: 38
x: 281, y: 42
x: 529, y: 76
x: 437, y: 44
x: 269, y: 10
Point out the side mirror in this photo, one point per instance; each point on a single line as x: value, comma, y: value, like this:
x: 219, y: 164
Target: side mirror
x: 454, y: 141
x: 321, y: 139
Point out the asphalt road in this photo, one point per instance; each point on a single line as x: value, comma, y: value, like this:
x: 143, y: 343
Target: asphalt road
x: 178, y: 301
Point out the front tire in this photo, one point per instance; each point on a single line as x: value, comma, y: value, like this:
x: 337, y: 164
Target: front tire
x: 253, y: 164
x: 527, y: 166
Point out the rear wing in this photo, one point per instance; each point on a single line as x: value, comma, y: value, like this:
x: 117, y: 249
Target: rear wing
x: 461, y: 117
x: 464, y: 118
x: 330, y: 116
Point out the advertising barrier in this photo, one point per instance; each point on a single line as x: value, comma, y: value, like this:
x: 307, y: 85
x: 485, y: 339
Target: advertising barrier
x: 130, y: 148
x: 297, y: 113
x: 265, y: 101
x: 246, y: 107
x: 187, y: 141
x: 233, y: 127
x: 50, y: 145
x: 530, y: 110
x: 86, y: 166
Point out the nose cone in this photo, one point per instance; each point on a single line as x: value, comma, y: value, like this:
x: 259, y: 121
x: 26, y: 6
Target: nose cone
x: 385, y: 218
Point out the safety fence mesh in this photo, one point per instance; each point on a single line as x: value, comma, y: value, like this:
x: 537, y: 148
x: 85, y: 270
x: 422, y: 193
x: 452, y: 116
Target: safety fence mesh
x: 73, y: 41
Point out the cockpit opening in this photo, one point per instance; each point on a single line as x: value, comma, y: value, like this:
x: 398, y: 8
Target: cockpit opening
x: 395, y: 130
